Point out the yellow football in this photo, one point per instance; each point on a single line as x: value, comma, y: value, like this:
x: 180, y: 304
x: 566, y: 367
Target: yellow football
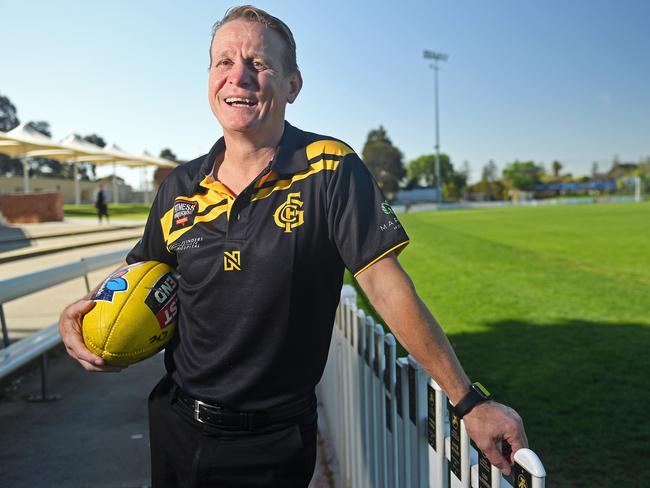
x: 135, y: 313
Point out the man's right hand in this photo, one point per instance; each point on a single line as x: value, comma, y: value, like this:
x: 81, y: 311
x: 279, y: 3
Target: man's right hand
x: 70, y: 330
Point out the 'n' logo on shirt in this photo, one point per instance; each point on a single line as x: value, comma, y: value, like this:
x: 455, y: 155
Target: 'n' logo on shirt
x: 232, y: 260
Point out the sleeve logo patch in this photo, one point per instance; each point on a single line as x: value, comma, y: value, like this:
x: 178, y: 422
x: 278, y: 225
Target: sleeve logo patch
x: 391, y: 224
x: 289, y: 215
x: 162, y: 300
x: 184, y: 213
x: 113, y: 284
x: 386, y: 208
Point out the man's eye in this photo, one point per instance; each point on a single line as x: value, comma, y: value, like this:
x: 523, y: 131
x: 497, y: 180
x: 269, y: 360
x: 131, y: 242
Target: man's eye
x: 258, y: 65
x: 223, y: 62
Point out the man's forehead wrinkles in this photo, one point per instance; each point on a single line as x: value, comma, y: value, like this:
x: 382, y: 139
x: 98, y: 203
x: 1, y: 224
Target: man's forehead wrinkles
x: 245, y: 54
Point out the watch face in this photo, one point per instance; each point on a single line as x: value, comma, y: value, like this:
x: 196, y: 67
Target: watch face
x: 481, y: 390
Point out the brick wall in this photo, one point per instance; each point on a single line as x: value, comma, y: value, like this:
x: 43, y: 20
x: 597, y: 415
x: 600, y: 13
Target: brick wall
x: 160, y: 175
x: 31, y: 207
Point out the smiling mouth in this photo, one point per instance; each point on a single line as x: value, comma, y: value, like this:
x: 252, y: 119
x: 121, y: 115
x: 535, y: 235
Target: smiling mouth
x: 240, y: 102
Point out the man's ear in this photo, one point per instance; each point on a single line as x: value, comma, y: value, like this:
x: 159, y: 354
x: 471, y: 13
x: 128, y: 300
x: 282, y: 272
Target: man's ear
x: 295, y: 85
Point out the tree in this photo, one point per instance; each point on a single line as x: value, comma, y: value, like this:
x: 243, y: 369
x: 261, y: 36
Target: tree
x: 8, y: 120
x: 87, y: 168
x: 489, y: 184
x: 383, y: 160
x: 489, y: 173
x: 594, y: 169
x: 95, y: 139
x: 8, y: 114
x: 557, y: 167
x: 43, y: 166
x: 423, y: 169
x: 168, y: 154
x: 40, y: 126
x: 523, y: 175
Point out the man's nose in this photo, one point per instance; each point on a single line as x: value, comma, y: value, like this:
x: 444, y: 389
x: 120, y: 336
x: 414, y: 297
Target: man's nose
x: 240, y: 75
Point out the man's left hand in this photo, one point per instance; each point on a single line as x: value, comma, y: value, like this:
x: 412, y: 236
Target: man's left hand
x: 490, y: 423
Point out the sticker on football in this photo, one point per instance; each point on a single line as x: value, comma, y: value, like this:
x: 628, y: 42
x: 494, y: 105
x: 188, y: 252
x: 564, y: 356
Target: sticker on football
x: 135, y: 313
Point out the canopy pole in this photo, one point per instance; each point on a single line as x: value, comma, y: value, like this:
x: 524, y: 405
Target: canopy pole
x: 25, y: 174
x: 116, y: 199
x: 77, y: 191
x: 145, y: 186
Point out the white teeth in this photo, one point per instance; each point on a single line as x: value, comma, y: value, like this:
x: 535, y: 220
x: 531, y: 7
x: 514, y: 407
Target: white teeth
x: 236, y: 100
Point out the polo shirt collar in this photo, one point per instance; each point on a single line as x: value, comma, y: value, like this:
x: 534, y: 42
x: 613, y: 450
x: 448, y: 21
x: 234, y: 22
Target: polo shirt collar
x: 288, y: 158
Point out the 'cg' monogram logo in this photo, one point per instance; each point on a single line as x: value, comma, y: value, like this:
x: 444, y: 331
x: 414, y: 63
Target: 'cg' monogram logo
x: 288, y: 216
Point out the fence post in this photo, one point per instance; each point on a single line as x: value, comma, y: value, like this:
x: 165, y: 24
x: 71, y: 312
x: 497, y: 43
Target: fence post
x: 86, y: 275
x: 390, y: 355
x: 348, y: 297
x: 364, y: 403
x: 5, y: 332
x: 355, y: 396
x: 458, y: 452
x: 436, y: 434
x: 418, y: 416
x: 380, y: 365
x: 407, y: 471
x: 345, y: 390
x: 372, y: 410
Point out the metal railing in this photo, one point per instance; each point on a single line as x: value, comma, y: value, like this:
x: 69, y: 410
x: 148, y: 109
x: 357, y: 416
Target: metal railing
x: 17, y: 354
x: 393, y: 425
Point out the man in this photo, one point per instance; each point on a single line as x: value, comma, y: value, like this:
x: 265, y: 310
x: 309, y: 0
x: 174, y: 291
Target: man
x: 101, y: 202
x: 260, y: 230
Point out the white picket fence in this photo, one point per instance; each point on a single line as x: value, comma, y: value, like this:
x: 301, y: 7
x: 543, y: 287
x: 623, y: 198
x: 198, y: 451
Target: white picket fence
x: 389, y: 421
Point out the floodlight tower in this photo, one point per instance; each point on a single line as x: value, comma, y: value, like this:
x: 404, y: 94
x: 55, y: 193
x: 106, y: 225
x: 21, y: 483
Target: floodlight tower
x: 435, y: 57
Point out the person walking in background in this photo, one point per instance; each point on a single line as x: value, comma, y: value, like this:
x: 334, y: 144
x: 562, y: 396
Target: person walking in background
x: 101, y: 202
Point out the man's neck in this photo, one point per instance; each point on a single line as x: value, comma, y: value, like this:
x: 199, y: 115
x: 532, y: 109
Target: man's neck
x: 249, y: 154
x: 245, y: 158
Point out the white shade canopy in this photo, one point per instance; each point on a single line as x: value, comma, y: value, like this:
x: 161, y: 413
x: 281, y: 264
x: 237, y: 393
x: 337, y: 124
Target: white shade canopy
x: 24, y: 142
x: 24, y: 138
x: 123, y: 158
x: 160, y: 162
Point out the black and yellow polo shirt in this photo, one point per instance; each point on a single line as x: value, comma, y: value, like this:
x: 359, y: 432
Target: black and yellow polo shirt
x: 261, y: 272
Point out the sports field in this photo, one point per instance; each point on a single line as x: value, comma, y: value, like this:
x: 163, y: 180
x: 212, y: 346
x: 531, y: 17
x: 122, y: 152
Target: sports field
x: 131, y: 211
x: 549, y: 307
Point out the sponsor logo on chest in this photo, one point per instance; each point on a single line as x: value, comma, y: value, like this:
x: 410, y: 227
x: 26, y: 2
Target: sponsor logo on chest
x: 184, y: 213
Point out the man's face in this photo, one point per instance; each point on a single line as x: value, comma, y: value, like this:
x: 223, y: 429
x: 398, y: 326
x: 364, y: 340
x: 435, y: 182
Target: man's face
x: 247, y: 86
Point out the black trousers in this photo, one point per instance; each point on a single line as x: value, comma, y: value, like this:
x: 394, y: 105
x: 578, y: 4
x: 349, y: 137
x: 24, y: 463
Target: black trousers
x: 187, y: 453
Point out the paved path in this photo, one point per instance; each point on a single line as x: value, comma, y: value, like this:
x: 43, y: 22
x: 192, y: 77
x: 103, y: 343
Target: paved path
x: 97, y: 434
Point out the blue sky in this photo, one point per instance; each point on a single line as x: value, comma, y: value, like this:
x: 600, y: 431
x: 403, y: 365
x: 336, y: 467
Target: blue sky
x: 564, y: 80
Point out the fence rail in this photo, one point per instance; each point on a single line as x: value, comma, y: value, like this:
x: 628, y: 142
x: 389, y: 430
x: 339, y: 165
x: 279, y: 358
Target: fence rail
x: 17, y: 354
x: 393, y: 425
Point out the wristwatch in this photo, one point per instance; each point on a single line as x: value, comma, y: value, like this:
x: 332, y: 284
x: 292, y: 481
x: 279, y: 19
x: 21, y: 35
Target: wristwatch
x: 477, y: 394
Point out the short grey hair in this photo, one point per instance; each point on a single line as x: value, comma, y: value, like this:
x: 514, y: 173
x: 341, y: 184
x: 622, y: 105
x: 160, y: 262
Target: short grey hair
x: 254, y: 14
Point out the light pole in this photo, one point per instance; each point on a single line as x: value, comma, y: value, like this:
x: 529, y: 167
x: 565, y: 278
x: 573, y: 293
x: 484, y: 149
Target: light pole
x: 435, y: 57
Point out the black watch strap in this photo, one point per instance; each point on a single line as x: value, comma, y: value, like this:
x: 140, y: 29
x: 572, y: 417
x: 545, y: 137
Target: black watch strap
x: 477, y: 394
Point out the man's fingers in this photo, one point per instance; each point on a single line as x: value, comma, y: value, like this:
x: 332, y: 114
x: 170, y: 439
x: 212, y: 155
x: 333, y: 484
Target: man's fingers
x: 498, y: 459
x: 81, y: 307
x: 89, y: 366
x: 515, y: 436
x: 70, y: 327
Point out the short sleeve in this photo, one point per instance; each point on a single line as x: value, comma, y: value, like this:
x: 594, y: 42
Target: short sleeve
x: 151, y: 246
x: 361, y: 222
